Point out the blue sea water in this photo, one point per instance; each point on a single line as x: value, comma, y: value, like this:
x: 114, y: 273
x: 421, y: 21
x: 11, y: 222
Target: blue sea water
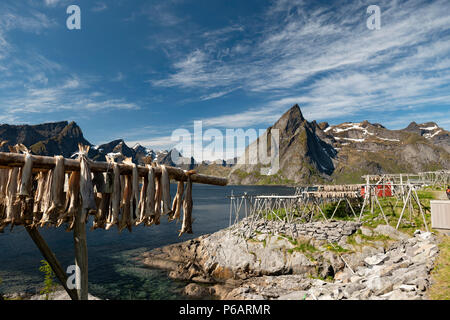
x: 113, y: 271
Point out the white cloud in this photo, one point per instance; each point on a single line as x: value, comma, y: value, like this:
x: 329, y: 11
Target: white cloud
x: 326, y: 59
x: 119, y: 77
x: 99, y: 7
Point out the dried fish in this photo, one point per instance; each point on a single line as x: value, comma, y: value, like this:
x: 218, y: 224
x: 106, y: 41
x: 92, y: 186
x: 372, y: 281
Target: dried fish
x: 142, y: 202
x: 177, y: 202
x: 126, y: 205
x: 56, y: 194
x: 102, y: 212
x: 86, y: 186
x: 12, y: 203
x: 187, y: 208
x: 4, y: 175
x: 158, y: 191
x: 150, y: 197
x: 72, y: 200
x: 38, y: 197
x: 114, y: 211
x: 45, y: 203
x: 165, y: 191
x: 27, y: 174
x: 134, y: 202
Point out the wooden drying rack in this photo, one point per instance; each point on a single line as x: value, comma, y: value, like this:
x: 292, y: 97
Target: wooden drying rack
x: 40, y: 163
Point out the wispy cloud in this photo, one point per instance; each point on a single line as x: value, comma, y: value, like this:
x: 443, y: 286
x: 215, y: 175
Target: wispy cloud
x: 99, y: 7
x: 119, y: 77
x: 326, y: 59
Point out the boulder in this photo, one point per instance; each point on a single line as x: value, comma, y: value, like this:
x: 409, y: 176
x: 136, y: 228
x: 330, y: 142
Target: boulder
x: 376, y: 259
x: 390, y: 232
x: 294, y: 295
x: 195, y: 290
x: 366, y: 231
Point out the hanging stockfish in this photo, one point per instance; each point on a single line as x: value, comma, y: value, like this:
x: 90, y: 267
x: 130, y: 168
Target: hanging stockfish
x: 25, y: 191
x: 114, y: 210
x: 186, y: 227
x: 102, y: 211
x: 126, y: 204
x: 12, y: 199
x: 150, y: 197
x: 4, y: 175
x: 165, y: 191
x: 72, y: 200
x: 134, y: 201
x: 86, y: 186
x: 177, y: 202
x: 3, y: 184
x: 158, y: 196
x: 105, y: 201
x: 142, y: 202
x: 56, y: 194
x: 39, y: 196
x: 27, y: 173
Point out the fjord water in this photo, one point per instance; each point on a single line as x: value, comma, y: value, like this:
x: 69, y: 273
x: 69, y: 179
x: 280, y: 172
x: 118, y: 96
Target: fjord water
x: 113, y: 271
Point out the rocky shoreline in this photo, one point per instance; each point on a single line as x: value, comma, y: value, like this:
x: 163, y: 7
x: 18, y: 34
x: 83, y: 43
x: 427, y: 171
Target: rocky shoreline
x: 320, y: 260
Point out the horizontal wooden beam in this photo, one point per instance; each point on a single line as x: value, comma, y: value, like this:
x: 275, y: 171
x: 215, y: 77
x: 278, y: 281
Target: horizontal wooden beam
x: 8, y: 160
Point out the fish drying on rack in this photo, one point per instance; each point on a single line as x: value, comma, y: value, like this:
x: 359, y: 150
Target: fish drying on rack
x: 26, y: 188
x: 73, y: 201
x: 12, y: 200
x: 104, y: 189
x: 177, y: 202
x: 86, y: 186
x: 149, y: 217
x: 165, y: 192
x: 56, y: 194
x: 186, y: 227
x: 4, y: 175
x: 125, y: 220
x: 114, y: 209
x: 142, y: 202
x: 158, y: 196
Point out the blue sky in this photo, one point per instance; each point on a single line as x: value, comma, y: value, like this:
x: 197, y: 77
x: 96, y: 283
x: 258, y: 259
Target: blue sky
x: 140, y: 69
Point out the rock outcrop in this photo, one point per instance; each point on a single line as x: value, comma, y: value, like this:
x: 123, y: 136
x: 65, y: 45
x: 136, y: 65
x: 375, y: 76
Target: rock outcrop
x: 317, y: 263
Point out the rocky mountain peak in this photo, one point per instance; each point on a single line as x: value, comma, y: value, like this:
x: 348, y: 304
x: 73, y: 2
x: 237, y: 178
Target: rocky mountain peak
x: 290, y: 120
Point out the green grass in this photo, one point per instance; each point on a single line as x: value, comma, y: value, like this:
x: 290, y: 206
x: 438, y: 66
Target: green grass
x: 368, y: 240
x: 335, y: 248
x: 327, y: 279
x: 440, y: 289
x: 303, y: 248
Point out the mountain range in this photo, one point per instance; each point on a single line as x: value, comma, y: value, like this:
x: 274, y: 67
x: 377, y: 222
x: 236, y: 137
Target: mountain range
x: 62, y: 138
x: 312, y: 152
x: 309, y: 152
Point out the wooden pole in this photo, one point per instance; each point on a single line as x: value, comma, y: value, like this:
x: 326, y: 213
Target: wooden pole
x: 421, y: 211
x: 81, y: 255
x: 8, y: 160
x: 51, y: 259
x: 404, y: 207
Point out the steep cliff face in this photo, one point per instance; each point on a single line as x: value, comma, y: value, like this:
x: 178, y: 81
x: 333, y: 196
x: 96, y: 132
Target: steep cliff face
x: 319, y: 153
x: 303, y: 155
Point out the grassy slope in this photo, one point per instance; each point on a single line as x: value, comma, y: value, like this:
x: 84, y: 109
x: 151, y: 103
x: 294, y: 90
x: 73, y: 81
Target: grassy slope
x: 440, y: 288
